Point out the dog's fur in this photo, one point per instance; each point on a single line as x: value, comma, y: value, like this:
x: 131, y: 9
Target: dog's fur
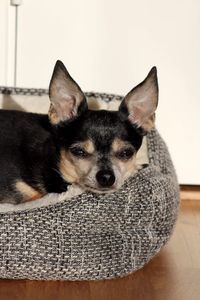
x: 95, y: 149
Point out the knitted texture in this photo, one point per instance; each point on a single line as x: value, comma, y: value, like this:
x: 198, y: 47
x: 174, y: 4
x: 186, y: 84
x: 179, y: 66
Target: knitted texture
x: 95, y: 236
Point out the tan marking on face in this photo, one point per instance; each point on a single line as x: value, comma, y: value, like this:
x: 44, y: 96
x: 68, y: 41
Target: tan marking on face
x: 67, y: 167
x: 74, y: 169
x: 28, y: 192
x: 118, y: 144
x: 130, y: 167
x: 126, y: 167
x: 88, y: 146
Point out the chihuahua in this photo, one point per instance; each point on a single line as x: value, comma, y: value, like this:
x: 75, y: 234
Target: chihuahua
x: 95, y: 149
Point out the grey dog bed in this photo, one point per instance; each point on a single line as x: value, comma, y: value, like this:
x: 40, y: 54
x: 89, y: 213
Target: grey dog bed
x: 93, y: 236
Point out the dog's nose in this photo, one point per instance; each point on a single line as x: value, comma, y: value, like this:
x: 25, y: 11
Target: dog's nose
x: 105, y: 178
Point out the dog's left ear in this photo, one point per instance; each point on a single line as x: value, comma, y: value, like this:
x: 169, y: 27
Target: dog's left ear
x: 140, y: 103
x: 67, y: 99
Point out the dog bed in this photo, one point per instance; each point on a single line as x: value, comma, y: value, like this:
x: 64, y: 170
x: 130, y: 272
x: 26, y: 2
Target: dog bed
x: 79, y: 235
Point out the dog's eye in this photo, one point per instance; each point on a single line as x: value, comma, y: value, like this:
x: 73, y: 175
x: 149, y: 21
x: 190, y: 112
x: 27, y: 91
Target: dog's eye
x: 125, y: 153
x: 79, y: 152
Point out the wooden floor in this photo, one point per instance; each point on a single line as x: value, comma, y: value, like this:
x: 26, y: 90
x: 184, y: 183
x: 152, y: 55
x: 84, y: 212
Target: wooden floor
x: 174, y: 274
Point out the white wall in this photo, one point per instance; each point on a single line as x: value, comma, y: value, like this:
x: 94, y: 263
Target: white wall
x: 7, y: 31
x: 3, y: 41
x: 111, y: 45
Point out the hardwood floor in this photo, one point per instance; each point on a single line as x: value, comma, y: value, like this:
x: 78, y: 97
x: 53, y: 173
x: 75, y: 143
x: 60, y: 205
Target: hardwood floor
x: 174, y: 274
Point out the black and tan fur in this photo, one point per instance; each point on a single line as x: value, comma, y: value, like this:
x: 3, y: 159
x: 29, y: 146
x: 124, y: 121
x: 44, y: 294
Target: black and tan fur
x: 95, y: 149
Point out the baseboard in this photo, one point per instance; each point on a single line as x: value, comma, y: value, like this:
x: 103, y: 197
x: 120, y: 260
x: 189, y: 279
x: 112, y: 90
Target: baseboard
x: 190, y: 192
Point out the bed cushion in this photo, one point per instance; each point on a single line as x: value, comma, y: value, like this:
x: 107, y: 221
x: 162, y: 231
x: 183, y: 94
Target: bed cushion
x: 93, y: 236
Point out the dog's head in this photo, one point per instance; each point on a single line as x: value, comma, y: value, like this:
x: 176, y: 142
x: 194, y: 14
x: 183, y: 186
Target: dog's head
x: 98, y: 147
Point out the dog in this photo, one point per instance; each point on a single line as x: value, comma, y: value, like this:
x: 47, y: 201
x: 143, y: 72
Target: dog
x: 73, y: 144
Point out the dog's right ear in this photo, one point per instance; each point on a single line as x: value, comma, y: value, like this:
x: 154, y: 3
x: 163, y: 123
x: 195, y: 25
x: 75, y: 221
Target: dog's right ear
x: 67, y: 99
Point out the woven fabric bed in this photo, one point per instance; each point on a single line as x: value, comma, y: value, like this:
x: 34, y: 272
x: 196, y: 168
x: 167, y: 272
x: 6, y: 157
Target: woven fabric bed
x: 92, y: 236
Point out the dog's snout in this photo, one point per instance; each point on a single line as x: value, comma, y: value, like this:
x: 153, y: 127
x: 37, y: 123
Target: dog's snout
x: 105, y: 178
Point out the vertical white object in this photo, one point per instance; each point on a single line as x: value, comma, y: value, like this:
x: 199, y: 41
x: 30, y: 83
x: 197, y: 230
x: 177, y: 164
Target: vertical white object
x: 3, y: 42
x: 16, y: 2
x: 7, y: 42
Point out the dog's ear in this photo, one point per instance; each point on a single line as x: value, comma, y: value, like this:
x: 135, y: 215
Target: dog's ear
x: 67, y: 99
x: 140, y: 103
